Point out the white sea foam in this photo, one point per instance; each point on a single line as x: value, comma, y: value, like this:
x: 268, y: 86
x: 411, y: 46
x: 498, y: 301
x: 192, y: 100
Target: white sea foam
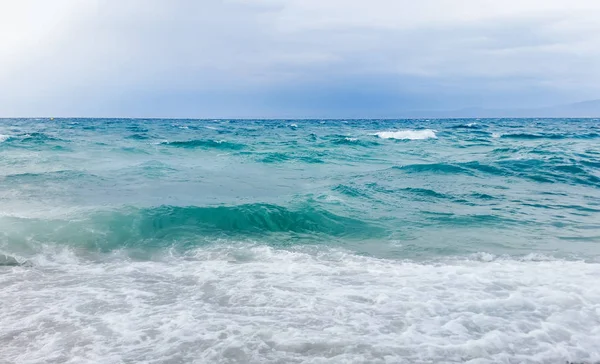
x: 261, y: 305
x: 407, y: 134
x: 4, y: 137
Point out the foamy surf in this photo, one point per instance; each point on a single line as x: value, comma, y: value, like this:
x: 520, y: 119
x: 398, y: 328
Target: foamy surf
x: 407, y: 134
x: 255, y: 304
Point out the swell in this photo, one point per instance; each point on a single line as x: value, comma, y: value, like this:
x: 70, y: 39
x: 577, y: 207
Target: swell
x: 138, y: 136
x: 532, y: 136
x: 350, y: 141
x: 441, y: 168
x: 250, y: 218
x: 350, y: 191
x: 555, y: 136
x: 60, y: 175
x: 279, y: 157
x: 165, y: 226
x: 425, y: 192
x: 468, y: 220
x: 39, y: 138
x: 30, y: 139
x: 137, y: 129
x: 539, y: 170
x: 205, y: 144
x: 551, y: 171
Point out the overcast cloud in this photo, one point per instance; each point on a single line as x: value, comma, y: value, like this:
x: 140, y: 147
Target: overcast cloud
x: 295, y: 58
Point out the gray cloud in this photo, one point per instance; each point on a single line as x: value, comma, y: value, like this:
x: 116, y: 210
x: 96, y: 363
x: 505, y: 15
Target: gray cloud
x: 95, y: 57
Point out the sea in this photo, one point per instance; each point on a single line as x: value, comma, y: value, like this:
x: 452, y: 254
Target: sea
x: 299, y: 241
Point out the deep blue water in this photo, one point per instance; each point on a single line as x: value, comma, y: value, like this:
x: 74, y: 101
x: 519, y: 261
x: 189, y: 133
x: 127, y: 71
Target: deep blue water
x: 407, y: 226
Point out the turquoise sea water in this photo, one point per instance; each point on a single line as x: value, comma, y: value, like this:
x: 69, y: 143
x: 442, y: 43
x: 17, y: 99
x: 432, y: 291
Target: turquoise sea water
x: 321, y: 241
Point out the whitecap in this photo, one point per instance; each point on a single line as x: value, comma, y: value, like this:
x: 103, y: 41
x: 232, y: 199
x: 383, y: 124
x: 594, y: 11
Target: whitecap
x: 331, y: 198
x: 9, y: 260
x: 537, y: 257
x: 4, y: 137
x: 483, y: 256
x: 407, y: 134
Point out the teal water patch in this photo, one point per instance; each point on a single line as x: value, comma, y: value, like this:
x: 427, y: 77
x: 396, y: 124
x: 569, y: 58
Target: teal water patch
x: 506, y: 186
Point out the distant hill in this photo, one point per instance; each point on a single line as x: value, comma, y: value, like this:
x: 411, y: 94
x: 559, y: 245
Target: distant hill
x: 588, y: 109
x: 584, y: 109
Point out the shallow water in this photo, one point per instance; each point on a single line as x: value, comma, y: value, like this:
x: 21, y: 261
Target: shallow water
x: 318, y: 241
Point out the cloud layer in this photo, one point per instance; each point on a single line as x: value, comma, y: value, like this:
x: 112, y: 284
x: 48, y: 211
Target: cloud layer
x: 294, y: 58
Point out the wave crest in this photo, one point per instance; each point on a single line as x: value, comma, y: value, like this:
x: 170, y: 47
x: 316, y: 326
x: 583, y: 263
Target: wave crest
x: 418, y: 134
x: 250, y: 218
x: 352, y: 141
x: 186, y: 226
x: 466, y: 126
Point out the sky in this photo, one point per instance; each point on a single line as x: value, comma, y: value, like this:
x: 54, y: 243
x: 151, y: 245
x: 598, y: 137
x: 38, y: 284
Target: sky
x: 293, y: 58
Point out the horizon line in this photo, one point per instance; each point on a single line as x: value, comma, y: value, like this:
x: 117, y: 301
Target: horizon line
x: 291, y: 119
